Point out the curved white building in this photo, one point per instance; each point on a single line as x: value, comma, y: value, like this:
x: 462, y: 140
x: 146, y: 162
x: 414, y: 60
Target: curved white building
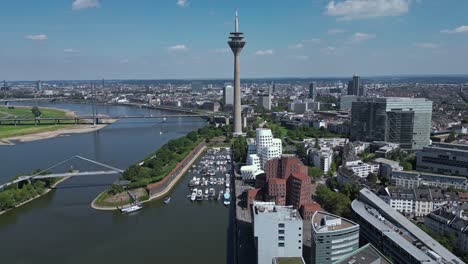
x: 267, y: 146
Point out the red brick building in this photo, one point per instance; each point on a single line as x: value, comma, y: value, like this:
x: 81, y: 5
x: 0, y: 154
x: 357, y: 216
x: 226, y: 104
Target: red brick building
x: 298, y: 190
x: 277, y: 190
x: 283, y: 167
x: 287, y: 182
x: 308, y: 210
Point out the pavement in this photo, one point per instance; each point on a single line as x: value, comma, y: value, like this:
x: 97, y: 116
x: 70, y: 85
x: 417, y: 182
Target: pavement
x: 246, y: 252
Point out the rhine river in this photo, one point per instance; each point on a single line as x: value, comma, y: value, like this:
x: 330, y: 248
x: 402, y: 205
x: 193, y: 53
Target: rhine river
x: 61, y: 227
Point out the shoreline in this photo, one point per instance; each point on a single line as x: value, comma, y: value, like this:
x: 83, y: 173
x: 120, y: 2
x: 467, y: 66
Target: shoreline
x: 159, y: 194
x: 75, y: 129
x: 37, y: 197
x: 63, y: 131
x: 52, y: 133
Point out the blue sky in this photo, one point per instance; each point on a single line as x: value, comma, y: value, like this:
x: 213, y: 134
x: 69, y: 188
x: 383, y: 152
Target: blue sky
x: 159, y: 39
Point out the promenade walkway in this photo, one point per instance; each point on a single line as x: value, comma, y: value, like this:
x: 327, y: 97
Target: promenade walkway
x: 161, y: 188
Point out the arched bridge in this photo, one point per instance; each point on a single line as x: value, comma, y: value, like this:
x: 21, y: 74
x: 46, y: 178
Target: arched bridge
x: 110, y: 170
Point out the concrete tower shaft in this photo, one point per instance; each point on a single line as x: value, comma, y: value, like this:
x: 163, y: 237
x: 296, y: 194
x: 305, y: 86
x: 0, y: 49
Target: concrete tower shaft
x: 236, y: 43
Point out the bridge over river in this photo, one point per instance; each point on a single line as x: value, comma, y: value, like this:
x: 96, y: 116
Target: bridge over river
x: 40, y: 175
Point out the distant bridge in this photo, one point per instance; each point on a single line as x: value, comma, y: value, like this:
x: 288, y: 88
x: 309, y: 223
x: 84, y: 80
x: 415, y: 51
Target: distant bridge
x: 93, y: 119
x: 111, y: 170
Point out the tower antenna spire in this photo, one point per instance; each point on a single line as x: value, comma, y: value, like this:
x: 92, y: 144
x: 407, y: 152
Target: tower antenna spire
x: 237, y: 21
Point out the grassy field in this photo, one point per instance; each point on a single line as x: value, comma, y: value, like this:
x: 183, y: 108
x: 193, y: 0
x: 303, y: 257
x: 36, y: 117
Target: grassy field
x: 7, y: 131
x: 25, y: 112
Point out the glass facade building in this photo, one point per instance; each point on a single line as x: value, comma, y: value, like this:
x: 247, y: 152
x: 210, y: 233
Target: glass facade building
x: 406, y: 121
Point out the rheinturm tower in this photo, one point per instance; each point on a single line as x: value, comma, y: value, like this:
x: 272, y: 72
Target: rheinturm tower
x: 237, y: 42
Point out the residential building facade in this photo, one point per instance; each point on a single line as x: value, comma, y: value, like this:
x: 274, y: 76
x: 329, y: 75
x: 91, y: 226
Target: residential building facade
x: 277, y: 231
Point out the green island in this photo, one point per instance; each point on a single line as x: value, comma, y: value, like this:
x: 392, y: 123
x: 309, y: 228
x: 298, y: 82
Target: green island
x: 17, y: 194
x: 156, y: 166
x: 28, y: 127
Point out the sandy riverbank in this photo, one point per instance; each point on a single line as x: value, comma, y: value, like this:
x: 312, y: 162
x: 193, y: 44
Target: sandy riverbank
x: 39, y: 196
x: 163, y: 192
x: 73, y: 129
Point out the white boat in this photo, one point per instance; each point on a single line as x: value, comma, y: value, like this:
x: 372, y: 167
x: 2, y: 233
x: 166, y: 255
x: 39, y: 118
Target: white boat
x: 199, y: 195
x: 193, y: 197
x: 206, y: 191
x: 227, y: 199
x: 130, y: 208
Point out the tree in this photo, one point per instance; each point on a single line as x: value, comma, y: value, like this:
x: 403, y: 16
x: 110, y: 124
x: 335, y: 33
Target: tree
x: 315, y: 172
x: 115, y: 189
x: 407, y: 166
x: 450, y: 137
x: 239, y: 147
x: 333, y: 167
x: 301, y: 151
x: 317, y: 145
x: 336, y: 203
x: 35, y: 111
x: 372, y: 178
x: 192, y: 136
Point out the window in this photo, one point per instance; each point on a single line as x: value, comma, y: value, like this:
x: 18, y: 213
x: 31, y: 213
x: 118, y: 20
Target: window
x: 281, y: 238
x: 280, y: 232
x: 281, y: 244
x: 280, y: 225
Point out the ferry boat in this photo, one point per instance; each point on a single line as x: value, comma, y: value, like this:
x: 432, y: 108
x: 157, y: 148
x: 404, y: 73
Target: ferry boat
x: 167, y: 200
x: 130, y: 208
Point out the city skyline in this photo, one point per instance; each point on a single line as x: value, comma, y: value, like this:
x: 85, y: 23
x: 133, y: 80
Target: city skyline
x: 91, y: 39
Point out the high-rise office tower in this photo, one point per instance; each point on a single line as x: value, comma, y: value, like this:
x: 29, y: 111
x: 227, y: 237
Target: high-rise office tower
x: 406, y: 121
x: 356, y: 88
x: 313, y: 91
x: 264, y: 101
x: 236, y: 43
x: 39, y: 86
x: 228, y: 95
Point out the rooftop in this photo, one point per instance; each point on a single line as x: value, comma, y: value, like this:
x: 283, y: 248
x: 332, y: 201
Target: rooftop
x: 325, y: 222
x: 282, y: 213
x: 367, y: 254
x: 396, y: 218
x: 292, y: 260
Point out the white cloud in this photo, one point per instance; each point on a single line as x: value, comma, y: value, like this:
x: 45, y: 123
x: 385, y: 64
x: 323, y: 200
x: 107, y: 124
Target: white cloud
x: 359, y: 37
x: 328, y: 50
x: 458, y: 30
x: 335, y: 31
x: 178, y: 48
x: 359, y: 9
x: 124, y: 61
x: 84, y: 4
x: 183, y: 3
x: 297, y: 46
x: 264, y: 52
x: 39, y: 37
x: 426, y: 45
x: 70, y: 50
x: 220, y: 50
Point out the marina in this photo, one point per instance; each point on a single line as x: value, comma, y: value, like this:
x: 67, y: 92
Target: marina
x: 210, y: 177
x: 97, y: 235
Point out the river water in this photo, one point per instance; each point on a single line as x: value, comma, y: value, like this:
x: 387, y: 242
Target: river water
x: 61, y: 227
